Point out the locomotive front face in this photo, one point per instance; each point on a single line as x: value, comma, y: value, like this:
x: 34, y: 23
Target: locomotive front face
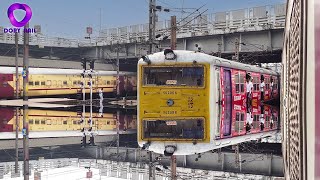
x: 174, y: 103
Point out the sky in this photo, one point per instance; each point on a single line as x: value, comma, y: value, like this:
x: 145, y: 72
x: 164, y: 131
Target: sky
x: 69, y: 18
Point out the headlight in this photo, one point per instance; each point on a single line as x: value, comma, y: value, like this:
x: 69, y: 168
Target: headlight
x: 169, y: 54
x: 169, y: 150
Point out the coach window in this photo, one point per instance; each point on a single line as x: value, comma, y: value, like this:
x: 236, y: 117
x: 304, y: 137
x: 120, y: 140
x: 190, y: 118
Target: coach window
x: 31, y: 121
x: 256, y: 83
x: 237, y: 82
x: 112, y: 82
x: 65, y: 83
x: 36, y: 83
x: 43, y: 121
x: 48, y: 83
x: 30, y: 83
x: 65, y: 122
x: 108, y: 122
x: 74, y: 82
x: 267, y: 81
x: 36, y: 122
x: 242, y: 83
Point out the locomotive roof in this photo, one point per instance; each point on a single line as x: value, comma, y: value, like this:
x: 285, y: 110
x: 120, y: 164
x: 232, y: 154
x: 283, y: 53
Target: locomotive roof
x: 190, y: 56
x: 53, y: 71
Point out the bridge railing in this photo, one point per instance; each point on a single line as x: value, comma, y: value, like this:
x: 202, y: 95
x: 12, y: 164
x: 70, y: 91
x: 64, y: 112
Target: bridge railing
x: 249, y: 19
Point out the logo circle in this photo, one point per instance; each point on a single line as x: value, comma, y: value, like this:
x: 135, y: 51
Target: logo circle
x: 25, y: 20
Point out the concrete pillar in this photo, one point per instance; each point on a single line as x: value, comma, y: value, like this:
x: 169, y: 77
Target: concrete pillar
x: 223, y: 46
x: 135, y: 155
x: 240, y: 41
x: 185, y: 161
x: 270, y: 41
x: 270, y: 165
x: 222, y: 162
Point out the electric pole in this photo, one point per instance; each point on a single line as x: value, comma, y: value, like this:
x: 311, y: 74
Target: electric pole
x: 25, y: 129
x: 236, y: 54
x: 173, y: 32
x: 152, y: 24
x: 17, y: 109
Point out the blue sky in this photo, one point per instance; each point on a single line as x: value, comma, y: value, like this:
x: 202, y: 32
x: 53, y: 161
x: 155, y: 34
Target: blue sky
x: 69, y: 18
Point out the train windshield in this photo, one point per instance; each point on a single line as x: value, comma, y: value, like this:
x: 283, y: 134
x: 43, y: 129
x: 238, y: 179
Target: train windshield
x: 174, y: 76
x: 174, y: 129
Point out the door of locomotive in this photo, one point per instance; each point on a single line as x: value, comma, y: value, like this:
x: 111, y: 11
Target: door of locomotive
x: 226, y: 87
x: 239, y: 102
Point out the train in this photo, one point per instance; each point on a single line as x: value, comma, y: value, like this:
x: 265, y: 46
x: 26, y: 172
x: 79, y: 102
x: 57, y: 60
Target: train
x: 48, y: 82
x: 53, y: 123
x: 190, y: 102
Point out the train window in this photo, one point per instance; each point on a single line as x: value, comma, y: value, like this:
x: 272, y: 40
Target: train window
x: 43, y: 83
x: 108, y: 82
x: 30, y: 121
x: 75, y: 122
x: 237, y: 88
x: 92, y: 122
x: 174, y: 129
x: 36, y: 122
x: 74, y: 82
x: 30, y: 83
x: 237, y: 116
x: 48, y: 83
x: 242, y: 117
x: 242, y: 87
x: 36, y: 83
x: 43, y: 122
x: 93, y: 82
x: 114, y: 82
x: 79, y: 82
x: 176, y: 76
x: 65, y: 83
x: 108, y: 122
x: 65, y: 122
x: 48, y: 122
